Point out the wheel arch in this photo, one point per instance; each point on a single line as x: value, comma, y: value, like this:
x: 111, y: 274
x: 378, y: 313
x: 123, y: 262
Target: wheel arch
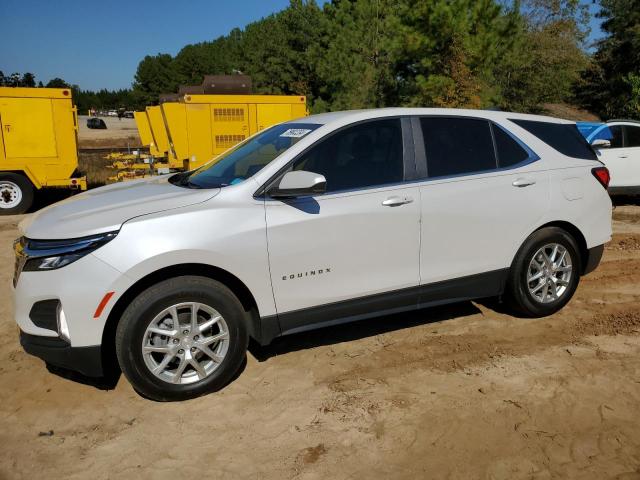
x: 572, y: 230
x: 215, y: 273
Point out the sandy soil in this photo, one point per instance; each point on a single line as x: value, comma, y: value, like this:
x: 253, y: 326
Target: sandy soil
x: 119, y: 133
x: 464, y: 391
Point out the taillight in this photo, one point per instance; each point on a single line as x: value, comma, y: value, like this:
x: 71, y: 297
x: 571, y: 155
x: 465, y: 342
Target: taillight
x: 602, y: 175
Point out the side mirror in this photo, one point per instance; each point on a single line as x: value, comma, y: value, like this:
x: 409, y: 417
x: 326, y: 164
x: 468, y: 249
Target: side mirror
x: 601, y: 143
x: 299, y: 184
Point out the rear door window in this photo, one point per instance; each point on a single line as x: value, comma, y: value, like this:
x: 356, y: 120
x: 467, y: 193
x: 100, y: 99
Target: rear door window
x: 613, y: 134
x: 509, y: 150
x: 564, y: 137
x: 457, y: 146
x: 632, y: 136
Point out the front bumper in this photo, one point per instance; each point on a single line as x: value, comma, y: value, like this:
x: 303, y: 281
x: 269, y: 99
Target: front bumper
x: 79, y: 287
x: 55, y: 351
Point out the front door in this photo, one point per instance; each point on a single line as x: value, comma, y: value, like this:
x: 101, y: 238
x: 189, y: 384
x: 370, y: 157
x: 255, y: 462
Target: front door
x: 339, y: 254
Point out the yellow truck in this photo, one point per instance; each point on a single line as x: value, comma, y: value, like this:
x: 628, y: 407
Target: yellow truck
x: 186, y: 134
x: 38, y: 137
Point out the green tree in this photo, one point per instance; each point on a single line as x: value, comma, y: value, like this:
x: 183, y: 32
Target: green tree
x: 609, y: 85
x: 57, y: 83
x: 547, y: 55
x: 13, y: 80
x: 443, y: 43
x: 28, y: 80
x: 155, y: 75
x: 354, y: 55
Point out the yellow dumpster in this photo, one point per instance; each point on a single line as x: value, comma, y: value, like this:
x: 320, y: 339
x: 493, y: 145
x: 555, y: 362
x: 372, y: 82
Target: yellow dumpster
x: 38, y: 145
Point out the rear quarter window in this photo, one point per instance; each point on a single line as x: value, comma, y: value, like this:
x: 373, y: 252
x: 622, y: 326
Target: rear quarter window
x: 509, y: 152
x: 563, y: 137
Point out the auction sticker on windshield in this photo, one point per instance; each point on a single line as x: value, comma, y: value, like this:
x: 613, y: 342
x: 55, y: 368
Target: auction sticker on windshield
x: 295, y: 132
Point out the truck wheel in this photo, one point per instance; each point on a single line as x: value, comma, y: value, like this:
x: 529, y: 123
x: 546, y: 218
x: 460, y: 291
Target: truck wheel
x: 545, y: 273
x: 16, y: 194
x: 182, y: 338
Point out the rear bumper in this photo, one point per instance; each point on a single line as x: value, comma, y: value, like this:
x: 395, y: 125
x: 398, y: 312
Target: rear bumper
x: 55, y: 351
x: 594, y: 255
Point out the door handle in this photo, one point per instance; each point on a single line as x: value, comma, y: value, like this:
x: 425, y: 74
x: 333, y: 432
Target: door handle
x: 523, y: 182
x: 623, y: 156
x: 396, y: 201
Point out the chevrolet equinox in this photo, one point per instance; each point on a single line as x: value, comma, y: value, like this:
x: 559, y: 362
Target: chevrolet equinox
x: 331, y: 218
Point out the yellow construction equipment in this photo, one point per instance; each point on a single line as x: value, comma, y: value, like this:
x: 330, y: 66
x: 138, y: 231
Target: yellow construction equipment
x: 186, y: 134
x: 38, y: 137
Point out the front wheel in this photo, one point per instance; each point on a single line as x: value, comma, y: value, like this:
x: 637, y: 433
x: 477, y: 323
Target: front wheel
x: 545, y: 273
x: 182, y: 338
x: 16, y: 194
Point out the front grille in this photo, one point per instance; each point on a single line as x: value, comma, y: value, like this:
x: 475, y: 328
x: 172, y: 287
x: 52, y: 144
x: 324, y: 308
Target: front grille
x: 21, y: 258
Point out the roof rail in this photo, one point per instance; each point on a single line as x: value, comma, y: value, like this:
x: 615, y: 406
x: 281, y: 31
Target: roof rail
x: 622, y: 120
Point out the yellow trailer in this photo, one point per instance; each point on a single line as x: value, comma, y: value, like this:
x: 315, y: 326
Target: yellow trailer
x: 186, y: 134
x: 38, y: 137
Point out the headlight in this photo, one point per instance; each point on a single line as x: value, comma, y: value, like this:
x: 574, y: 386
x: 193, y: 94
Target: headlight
x: 43, y: 255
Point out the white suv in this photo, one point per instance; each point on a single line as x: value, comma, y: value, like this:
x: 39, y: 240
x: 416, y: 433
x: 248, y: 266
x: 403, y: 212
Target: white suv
x: 617, y: 143
x: 330, y: 218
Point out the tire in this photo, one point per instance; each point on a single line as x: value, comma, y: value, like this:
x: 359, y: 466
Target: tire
x: 521, y: 280
x: 16, y: 194
x: 214, y: 300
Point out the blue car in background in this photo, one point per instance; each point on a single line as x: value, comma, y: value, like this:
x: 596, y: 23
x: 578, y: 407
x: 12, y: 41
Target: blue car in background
x: 617, y: 143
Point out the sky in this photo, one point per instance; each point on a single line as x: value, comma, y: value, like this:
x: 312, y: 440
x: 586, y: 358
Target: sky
x: 98, y: 43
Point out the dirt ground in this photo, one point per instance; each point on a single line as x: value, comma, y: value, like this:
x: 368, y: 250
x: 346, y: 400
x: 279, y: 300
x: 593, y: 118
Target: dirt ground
x: 464, y: 391
x: 119, y: 133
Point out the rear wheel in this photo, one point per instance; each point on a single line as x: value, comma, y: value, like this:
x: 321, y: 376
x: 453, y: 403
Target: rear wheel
x: 16, y: 194
x: 182, y: 338
x: 545, y: 273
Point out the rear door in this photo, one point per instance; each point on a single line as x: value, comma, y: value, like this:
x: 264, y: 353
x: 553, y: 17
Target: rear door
x: 347, y: 249
x: 484, y: 193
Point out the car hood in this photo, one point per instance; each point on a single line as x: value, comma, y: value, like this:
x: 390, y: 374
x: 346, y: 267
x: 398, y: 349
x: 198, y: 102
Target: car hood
x: 105, y: 209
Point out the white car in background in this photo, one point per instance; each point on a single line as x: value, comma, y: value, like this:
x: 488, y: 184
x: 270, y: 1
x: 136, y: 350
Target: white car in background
x: 617, y: 143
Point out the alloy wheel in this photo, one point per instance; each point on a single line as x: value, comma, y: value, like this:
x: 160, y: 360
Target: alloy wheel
x: 185, y: 343
x: 549, y: 273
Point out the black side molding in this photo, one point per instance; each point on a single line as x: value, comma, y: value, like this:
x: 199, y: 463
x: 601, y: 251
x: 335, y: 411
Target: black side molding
x: 450, y: 291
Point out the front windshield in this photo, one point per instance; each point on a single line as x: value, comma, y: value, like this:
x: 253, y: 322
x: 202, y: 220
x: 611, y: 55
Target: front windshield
x: 247, y: 158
